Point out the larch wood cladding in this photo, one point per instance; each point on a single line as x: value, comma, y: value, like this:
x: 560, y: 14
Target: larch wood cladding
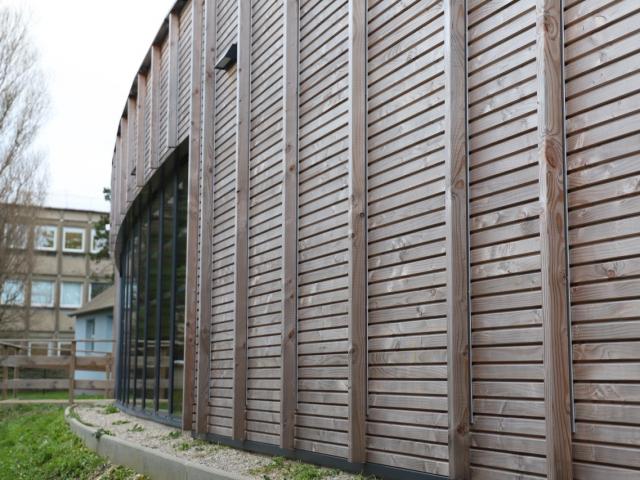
x: 508, y: 433
x: 321, y: 422
x: 163, y: 117
x: 265, y: 223
x: 602, y: 84
x: 224, y: 206
x: 407, y: 417
x: 361, y: 159
x: 185, y: 54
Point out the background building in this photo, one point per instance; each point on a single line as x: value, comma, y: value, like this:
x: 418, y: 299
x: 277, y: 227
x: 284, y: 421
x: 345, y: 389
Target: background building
x: 61, y: 276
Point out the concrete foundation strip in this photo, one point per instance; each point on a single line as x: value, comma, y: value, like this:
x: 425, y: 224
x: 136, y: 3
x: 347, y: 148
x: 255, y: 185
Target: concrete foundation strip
x: 152, y: 463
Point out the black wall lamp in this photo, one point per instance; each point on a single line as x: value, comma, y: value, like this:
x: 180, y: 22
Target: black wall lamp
x: 229, y: 58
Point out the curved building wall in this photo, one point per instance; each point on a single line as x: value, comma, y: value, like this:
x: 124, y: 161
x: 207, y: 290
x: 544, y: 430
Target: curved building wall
x: 411, y: 232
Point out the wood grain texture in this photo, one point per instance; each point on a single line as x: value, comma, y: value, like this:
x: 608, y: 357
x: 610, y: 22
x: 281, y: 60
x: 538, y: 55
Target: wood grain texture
x: 132, y: 148
x: 357, y: 245
x: 602, y: 68
x: 193, y: 201
x: 242, y: 228
x: 266, y: 161
x: 224, y: 206
x: 140, y: 134
x: 206, y: 212
x: 458, y: 386
x: 552, y: 242
x: 289, y: 382
x: 124, y: 166
x: 172, y: 106
x: 155, y: 106
x: 322, y: 217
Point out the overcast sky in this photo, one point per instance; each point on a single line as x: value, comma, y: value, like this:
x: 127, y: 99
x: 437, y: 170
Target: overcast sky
x: 91, y: 51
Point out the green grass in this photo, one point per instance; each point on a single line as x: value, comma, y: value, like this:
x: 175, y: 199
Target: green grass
x: 280, y: 468
x: 36, y: 443
x: 136, y: 428
x: 53, y: 395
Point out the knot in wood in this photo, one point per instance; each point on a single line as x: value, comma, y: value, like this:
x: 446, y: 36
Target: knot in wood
x: 550, y: 25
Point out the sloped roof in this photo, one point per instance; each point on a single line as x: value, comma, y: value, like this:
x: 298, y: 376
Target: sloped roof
x: 104, y: 301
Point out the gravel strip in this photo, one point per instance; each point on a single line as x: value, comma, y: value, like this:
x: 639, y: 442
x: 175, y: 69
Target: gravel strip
x: 174, y: 442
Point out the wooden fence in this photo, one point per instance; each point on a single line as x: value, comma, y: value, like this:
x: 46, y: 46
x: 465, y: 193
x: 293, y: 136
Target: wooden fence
x: 15, y: 357
x: 414, y: 229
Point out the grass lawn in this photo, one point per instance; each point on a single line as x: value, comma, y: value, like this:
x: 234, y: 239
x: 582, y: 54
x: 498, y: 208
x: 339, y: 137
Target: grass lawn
x: 52, y: 395
x: 36, y: 443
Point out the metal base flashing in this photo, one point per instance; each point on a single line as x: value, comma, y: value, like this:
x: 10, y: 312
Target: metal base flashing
x: 168, y: 420
x: 375, y: 469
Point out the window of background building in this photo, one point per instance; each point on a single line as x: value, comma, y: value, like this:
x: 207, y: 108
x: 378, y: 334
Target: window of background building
x: 15, y: 236
x: 45, y: 238
x: 89, y: 334
x: 71, y: 295
x: 97, y: 244
x: 73, y: 240
x: 12, y: 293
x: 42, y: 293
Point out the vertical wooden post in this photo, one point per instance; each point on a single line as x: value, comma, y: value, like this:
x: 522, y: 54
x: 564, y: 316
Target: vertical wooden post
x: 16, y: 376
x: 72, y: 371
x: 242, y: 220
x: 172, y: 113
x: 289, y: 385
x: 357, y: 230
x: 457, y: 249
x: 141, y: 102
x: 155, y: 106
x: 116, y: 328
x: 107, y: 375
x: 557, y: 398
x: 5, y: 382
x: 193, y: 202
x: 206, y: 215
x: 132, y: 147
x: 124, y: 165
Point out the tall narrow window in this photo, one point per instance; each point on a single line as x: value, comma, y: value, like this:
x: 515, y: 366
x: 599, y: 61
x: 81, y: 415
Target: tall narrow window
x: 152, y: 314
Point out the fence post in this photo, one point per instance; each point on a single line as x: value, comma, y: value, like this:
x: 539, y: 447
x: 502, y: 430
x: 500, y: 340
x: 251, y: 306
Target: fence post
x: 107, y: 374
x: 16, y: 375
x: 72, y: 371
x: 5, y: 382
x: 5, y: 373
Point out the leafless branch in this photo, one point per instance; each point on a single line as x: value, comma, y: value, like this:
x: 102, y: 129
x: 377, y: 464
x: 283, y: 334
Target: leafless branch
x: 23, y: 103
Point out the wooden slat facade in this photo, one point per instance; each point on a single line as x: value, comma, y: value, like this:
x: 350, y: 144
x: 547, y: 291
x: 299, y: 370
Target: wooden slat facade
x: 407, y: 325
x: 602, y: 73
x: 365, y: 159
x: 265, y: 223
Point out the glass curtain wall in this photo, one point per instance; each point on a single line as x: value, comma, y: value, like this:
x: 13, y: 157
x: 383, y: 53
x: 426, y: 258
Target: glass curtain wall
x: 152, y: 269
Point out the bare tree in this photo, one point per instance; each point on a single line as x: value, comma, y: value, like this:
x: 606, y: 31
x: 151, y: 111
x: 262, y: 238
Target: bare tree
x: 23, y: 103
